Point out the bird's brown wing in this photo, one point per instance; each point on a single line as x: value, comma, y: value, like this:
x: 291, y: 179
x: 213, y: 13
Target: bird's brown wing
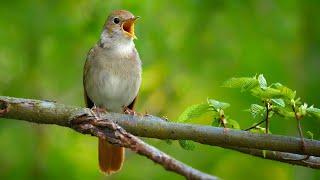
x: 131, y: 105
x: 89, y: 103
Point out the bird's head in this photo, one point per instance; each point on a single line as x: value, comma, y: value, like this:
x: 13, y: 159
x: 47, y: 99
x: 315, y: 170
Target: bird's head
x: 119, y: 26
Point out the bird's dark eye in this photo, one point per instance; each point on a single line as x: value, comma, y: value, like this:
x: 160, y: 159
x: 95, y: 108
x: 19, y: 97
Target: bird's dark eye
x: 116, y: 20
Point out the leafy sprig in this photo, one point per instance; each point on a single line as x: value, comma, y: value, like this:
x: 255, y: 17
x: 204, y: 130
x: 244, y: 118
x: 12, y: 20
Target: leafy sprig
x: 274, y: 99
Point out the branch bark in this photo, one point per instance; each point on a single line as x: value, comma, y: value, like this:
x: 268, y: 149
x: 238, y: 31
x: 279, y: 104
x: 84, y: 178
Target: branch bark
x: 85, y: 122
x: 47, y: 112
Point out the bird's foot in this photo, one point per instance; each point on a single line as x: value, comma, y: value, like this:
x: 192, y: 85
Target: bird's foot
x: 96, y: 111
x: 129, y: 111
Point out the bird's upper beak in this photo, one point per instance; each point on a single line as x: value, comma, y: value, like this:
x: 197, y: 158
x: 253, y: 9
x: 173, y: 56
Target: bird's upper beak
x: 128, y: 27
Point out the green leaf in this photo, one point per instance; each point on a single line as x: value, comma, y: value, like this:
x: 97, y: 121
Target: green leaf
x: 276, y: 85
x: 266, y: 93
x: 283, y: 112
x: 302, y: 110
x: 233, y: 124
x: 312, y: 111
x: 285, y: 91
x: 193, y: 111
x: 187, y: 145
x: 279, y: 102
x: 215, y: 122
x: 245, y: 83
x: 310, y: 134
x: 262, y: 81
x: 257, y: 110
x: 288, y: 93
x: 217, y: 105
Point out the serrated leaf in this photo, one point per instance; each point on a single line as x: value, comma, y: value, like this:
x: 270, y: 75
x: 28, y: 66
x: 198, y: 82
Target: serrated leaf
x: 310, y: 134
x: 193, y: 111
x: 266, y: 93
x: 187, y: 145
x: 217, y: 105
x: 262, y: 81
x: 257, y: 110
x: 313, y: 111
x: 279, y: 102
x: 286, y: 92
x: 283, y: 112
x: 245, y: 83
x: 233, y: 124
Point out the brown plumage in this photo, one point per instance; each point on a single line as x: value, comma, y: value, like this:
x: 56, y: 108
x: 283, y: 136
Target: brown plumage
x: 112, y: 77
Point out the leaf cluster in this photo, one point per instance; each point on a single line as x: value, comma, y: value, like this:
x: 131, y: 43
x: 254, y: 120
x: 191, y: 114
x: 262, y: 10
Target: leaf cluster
x: 275, y: 98
x: 283, y: 99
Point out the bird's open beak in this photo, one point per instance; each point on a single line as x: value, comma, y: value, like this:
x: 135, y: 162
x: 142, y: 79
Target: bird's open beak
x: 128, y: 27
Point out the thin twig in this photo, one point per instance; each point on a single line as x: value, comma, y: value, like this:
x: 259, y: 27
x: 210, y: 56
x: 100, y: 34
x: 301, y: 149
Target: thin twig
x: 266, y: 119
x: 115, y: 134
x: 267, y: 116
x: 255, y: 125
x: 298, y: 118
x: 298, y: 126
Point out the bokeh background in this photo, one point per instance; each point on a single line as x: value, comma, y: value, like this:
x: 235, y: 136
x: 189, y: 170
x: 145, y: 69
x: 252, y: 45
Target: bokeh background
x: 188, y: 49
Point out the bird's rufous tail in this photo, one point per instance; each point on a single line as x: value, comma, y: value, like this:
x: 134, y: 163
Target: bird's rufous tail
x: 111, y: 157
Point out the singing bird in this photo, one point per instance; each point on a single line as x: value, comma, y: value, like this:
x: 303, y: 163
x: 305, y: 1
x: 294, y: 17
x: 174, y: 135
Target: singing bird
x: 112, y: 78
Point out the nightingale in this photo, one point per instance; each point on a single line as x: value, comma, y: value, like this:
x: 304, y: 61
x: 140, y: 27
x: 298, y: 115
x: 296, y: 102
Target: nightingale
x: 112, y: 78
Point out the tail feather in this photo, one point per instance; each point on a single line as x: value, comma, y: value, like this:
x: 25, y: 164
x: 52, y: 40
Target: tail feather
x: 110, y: 157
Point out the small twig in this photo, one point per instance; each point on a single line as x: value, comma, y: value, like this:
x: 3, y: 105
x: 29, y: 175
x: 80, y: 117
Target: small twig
x: 267, y: 117
x: 115, y: 134
x: 255, y: 125
x: 298, y: 118
x: 299, y: 126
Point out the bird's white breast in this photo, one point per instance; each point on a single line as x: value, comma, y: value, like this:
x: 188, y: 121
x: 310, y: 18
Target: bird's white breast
x: 114, y: 78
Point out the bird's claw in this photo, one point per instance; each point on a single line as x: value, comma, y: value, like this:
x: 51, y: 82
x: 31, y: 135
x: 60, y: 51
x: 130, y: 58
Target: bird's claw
x: 96, y: 111
x: 130, y: 111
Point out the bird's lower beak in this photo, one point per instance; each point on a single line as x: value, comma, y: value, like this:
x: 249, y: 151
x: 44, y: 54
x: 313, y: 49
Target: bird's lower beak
x: 128, y: 27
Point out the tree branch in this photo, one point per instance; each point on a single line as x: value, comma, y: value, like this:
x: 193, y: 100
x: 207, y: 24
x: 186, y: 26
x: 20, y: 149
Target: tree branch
x: 87, y: 123
x: 47, y: 112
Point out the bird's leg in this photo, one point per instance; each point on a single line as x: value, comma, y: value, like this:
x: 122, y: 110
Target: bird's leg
x: 129, y: 111
x: 96, y: 111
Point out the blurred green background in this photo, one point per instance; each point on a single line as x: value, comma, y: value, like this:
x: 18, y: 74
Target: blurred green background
x: 188, y: 49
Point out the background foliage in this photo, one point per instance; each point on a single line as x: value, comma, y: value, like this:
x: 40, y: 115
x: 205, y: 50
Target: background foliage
x: 188, y: 49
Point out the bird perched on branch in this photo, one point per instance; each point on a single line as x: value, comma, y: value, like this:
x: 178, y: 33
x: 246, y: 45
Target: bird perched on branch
x: 112, y: 78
